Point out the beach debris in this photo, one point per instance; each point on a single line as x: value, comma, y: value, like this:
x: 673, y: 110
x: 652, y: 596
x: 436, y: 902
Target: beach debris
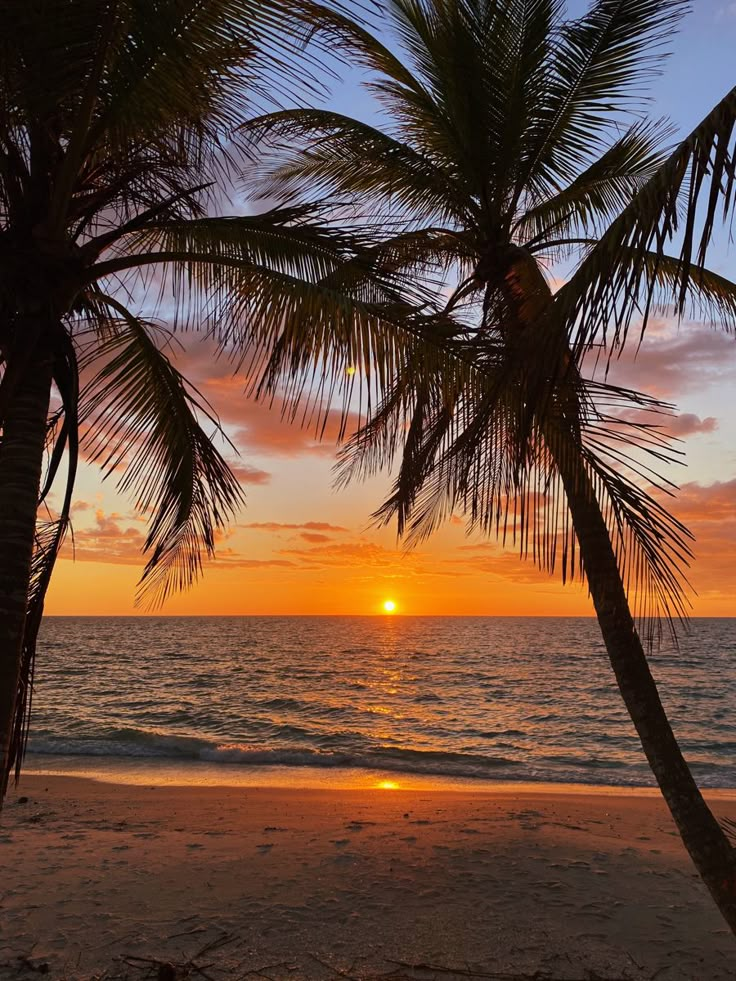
x: 28, y: 963
x: 467, y: 972
x: 167, y: 970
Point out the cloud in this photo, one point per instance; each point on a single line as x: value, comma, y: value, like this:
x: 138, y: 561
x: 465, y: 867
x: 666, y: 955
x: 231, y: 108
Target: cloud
x: 363, y: 553
x: 511, y: 567
x: 709, y: 511
x: 246, y: 474
x: 106, y: 541
x: 726, y: 12
x: 672, y: 361
x: 281, y: 526
x: 682, y: 425
x: 267, y: 427
x: 229, y: 558
x: 707, y: 503
x: 688, y: 424
x: 373, y: 557
x: 313, y: 537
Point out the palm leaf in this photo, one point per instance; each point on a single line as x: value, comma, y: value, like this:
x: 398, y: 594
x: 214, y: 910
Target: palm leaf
x: 614, y: 283
x: 598, y: 193
x: 145, y: 421
x: 601, y: 61
x: 296, y: 300
x: 462, y: 452
x: 340, y: 156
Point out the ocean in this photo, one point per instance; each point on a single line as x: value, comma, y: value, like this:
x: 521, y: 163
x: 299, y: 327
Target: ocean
x: 304, y: 699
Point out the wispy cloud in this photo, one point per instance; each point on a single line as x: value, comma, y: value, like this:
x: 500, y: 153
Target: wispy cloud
x: 276, y: 526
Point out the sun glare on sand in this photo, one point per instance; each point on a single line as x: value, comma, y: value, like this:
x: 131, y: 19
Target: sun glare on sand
x: 389, y: 606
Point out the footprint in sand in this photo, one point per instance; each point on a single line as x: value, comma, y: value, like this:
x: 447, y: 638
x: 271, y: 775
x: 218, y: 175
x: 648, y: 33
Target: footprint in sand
x: 264, y: 849
x: 346, y: 858
x: 340, y: 842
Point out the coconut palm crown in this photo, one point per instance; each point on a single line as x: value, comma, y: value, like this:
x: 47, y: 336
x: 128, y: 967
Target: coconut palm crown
x: 514, y: 140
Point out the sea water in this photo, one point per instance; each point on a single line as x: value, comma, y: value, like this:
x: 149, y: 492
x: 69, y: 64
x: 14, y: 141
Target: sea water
x: 475, y: 699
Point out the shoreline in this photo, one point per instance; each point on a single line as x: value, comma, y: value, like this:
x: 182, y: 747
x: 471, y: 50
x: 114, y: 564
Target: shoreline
x: 166, y: 771
x: 322, y: 881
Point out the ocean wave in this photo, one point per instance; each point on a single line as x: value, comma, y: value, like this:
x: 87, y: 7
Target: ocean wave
x: 147, y: 744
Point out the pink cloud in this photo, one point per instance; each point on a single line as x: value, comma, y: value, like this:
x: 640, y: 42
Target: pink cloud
x: 673, y: 361
x: 246, y: 474
x: 105, y: 541
x: 269, y: 426
x: 281, y: 526
x: 688, y: 424
x: 682, y: 425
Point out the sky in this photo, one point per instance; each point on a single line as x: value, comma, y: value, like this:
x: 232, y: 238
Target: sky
x: 302, y: 547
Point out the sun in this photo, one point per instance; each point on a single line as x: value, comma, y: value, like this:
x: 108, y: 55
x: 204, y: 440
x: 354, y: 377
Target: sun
x: 389, y: 606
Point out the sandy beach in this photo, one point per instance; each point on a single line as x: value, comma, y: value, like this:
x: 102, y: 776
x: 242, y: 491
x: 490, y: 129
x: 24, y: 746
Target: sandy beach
x: 292, y: 883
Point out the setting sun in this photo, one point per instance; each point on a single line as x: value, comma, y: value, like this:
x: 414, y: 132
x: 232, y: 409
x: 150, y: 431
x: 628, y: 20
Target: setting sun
x: 389, y: 606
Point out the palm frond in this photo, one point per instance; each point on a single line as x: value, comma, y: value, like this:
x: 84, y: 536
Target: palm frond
x: 296, y: 301
x: 598, y: 194
x: 602, y: 61
x: 145, y: 422
x: 123, y: 100
x: 463, y: 451
x: 614, y: 284
x: 314, y: 152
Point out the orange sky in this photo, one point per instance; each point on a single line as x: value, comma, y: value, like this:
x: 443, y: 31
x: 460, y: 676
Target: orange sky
x: 301, y: 547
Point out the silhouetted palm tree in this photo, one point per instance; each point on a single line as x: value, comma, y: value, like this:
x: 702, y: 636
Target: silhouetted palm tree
x: 513, y: 140
x: 118, y: 141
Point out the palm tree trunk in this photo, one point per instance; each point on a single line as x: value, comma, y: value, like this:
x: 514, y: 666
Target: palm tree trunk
x: 21, y: 460
x: 708, y: 846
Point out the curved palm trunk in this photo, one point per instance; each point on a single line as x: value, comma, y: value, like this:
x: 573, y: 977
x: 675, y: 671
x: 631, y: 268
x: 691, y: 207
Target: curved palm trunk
x: 703, y: 837
x: 21, y: 460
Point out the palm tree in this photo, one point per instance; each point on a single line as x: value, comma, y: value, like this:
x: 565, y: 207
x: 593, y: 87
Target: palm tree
x: 513, y: 140
x: 118, y: 143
